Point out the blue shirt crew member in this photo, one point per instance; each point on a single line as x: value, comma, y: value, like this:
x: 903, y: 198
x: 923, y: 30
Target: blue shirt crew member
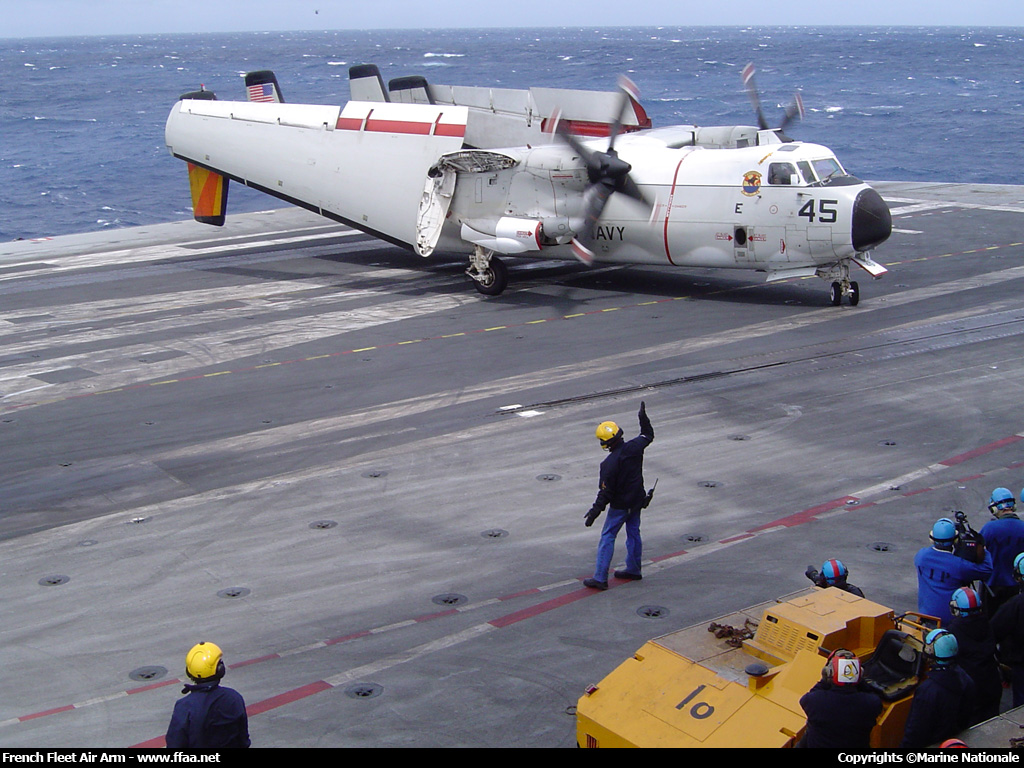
x: 943, y: 703
x: 1004, y: 538
x: 211, y: 716
x: 621, y: 488
x: 940, y: 572
x: 1008, y: 628
x: 977, y: 651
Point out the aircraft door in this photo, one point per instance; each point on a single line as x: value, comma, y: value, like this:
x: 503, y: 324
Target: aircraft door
x: 758, y: 244
x: 796, y: 247
x: 433, y: 208
x: 741, y: 245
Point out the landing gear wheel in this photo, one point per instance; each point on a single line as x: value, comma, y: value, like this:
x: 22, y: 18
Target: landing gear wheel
x: 835, y: 294
x: 854, y: 294
x: 492, y: 280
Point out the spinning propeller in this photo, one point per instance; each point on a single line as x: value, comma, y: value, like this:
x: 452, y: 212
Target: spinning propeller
x: 793, y: 111
x: 606, y: 172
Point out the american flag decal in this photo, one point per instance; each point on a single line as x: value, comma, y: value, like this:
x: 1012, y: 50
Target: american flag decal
x: 261, y: 92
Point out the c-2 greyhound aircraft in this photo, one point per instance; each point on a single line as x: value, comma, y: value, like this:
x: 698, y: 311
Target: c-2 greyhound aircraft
x: 541, y: 173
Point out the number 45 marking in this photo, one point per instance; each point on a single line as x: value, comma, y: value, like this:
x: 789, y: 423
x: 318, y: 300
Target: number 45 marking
x: 826, y: 212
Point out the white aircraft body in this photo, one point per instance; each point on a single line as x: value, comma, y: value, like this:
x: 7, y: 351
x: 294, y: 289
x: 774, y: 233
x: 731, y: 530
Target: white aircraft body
x: 488, y: 172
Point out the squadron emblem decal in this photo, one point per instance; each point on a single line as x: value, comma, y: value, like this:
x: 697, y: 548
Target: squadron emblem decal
x: 751, y: 183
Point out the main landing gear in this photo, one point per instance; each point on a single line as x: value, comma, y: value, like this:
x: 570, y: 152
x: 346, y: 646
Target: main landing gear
x: 842, y: 285
x: 489, y: 273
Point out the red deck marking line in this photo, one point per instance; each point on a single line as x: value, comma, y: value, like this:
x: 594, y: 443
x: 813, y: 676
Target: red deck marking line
x: 658, y: 559
x: 982, y: 450
x: 258, y: 708
x: 432, y: 616
x: 247, y: 662
x: 799, y: 518
x: 731, y: 539
x: 914, y: 493
x: 287, y: 697
x: 968, y: 478
x: 548, y: 605
x: 525, y: 592
x: 346, y: 638
x: 44, y: 713
x: 1015, y: 465
x: 154, y: 686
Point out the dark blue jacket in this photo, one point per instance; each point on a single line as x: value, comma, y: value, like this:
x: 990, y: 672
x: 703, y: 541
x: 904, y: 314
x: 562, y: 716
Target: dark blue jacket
x: 622, y: 471
x: 839, y: 716
x: 1008, y: 628
x: 1004, y: 538
x: 211, y: 716
x: 942, y: 707
x: 977, y: 657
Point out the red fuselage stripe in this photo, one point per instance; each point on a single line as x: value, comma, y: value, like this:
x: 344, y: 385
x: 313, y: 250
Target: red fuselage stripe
x: 668, y: 210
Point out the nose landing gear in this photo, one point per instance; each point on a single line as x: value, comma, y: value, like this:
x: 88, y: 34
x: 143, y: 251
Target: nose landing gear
x: 849, y: 288
x: 842, y: 285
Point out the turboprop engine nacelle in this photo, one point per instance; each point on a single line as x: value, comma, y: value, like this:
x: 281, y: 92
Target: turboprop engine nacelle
x: 509, y: 235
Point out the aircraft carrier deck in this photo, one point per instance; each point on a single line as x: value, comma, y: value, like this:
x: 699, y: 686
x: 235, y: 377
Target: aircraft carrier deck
x: 366, y: 482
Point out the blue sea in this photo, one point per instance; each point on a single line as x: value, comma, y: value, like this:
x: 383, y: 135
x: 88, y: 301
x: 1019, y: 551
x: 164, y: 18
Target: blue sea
x: 82, y: 119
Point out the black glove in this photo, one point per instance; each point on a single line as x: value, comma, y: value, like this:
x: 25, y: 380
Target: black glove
x: 591, y: 516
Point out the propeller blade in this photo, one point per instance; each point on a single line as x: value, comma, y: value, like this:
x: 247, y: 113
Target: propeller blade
x: 630, y: 188
x: 755, y: 99
x: 581, y: 252
x: 594, y: 200
x: 606, y: 172
x: 627, y: 91
x: 795, y: 111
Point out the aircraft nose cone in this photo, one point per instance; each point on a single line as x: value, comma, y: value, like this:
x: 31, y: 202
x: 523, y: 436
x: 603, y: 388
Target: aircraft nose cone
x: 872, y: 222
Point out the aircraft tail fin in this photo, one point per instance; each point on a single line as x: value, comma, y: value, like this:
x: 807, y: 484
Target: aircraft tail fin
x: 366, y: 84
x: 209, y: 195
x: 262, y: 86
x: 410, y: 90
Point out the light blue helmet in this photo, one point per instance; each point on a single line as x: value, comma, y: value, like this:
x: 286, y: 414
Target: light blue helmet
x: 834, y: 572
x: 1018, y: 568
x: 941, y: 646
x: 965, y: 602
x: 1001, y: 501
x: 943, y: 532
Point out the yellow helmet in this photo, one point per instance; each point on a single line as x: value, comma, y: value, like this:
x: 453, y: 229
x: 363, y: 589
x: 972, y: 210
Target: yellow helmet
x: 606, y: 432
x: 204, y: 663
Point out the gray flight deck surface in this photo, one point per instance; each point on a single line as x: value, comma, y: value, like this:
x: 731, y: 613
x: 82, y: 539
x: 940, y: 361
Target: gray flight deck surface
x: 300, y: 443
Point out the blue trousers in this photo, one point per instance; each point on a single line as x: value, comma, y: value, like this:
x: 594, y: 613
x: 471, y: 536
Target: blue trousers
x: 614, y: 520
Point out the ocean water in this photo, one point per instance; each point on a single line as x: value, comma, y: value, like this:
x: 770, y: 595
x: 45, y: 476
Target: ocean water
x: 82, y: 119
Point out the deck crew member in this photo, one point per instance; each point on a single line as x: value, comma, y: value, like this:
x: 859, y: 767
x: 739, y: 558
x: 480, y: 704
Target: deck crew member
x: 211, y: 716
x: 621, y: 489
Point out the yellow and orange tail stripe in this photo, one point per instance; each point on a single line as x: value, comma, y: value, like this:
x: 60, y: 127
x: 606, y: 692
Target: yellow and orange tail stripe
x: 209, y: 195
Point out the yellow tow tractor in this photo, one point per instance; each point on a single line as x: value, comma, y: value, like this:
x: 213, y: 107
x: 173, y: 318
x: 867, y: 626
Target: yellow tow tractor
x: 738, y: 681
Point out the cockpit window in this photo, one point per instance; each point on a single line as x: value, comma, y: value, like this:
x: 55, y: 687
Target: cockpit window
x: 807, y: 172
x: 827, y: 167
x: 781, y: 173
